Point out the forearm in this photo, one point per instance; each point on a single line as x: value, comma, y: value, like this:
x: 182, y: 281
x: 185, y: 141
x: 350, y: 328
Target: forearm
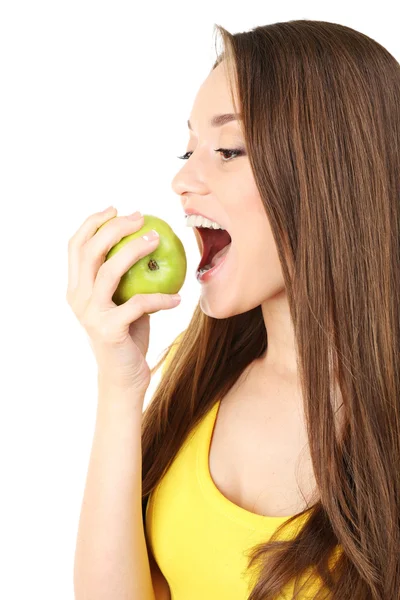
x: 111, y: 560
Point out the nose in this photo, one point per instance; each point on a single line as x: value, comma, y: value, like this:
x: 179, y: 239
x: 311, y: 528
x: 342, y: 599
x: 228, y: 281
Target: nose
x: 178, y: 185
x: 186, y: 182
x: 196, y: 176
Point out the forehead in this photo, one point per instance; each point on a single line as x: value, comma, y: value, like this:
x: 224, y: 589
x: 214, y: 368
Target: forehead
x: 213, y: 97
x: 216, y: 80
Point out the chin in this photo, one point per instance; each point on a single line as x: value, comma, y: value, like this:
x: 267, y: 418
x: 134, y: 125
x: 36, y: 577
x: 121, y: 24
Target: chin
x: 218, y: 308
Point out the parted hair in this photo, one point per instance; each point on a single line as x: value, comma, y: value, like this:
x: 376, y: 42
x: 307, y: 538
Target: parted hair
x: 320, y: 104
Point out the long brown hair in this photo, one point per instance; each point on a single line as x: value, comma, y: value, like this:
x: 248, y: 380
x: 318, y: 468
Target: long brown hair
x: 321, y: 117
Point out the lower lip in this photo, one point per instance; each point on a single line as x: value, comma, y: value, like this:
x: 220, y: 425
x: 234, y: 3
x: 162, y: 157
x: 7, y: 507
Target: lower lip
x: 212, y: 272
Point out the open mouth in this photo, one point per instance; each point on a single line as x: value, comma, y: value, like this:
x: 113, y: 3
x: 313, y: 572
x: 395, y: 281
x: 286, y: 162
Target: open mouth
x: 214, y: 245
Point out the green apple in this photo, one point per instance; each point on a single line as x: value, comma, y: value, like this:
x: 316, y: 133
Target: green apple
x: 163, y: 270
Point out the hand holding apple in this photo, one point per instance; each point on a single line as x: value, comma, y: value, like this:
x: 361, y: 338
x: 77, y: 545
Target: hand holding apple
x: 163, y: 270
x: 119, y: 335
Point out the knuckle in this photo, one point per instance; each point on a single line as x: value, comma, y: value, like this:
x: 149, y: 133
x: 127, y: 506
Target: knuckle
x: 138, y: 300
x: 74, y: 304
x: 89, y: 252
x: 105, y: 271
x: 116, y: 222
x: 86, y: 250
x: 105, y: 330
x: 88, y: 321
x: 102, y: 270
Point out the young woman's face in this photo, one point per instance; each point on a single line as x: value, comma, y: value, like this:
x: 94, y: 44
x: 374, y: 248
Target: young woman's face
x: 221, y: 186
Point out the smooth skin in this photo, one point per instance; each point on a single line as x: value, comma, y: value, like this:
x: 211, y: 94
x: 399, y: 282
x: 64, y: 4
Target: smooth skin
x: 252, y: 274
x: 259, y: 456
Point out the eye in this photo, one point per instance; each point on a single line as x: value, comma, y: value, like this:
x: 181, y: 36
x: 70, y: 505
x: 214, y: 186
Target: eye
x: 237, y: 151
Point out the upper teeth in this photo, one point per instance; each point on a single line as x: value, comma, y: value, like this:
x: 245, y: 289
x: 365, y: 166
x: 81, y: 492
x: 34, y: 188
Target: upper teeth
x: 199, y: 221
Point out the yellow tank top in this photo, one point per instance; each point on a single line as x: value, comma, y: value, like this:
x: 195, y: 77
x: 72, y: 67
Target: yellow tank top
x: 198, y: 537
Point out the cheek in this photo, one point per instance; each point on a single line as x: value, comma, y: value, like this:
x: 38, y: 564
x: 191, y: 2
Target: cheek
x: 258, y: 268
x: 252, y: 275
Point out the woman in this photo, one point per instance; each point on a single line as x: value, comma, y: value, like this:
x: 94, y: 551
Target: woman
x: 271, y: 448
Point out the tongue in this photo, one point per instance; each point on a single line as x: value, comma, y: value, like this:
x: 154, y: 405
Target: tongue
x: 219, y: 255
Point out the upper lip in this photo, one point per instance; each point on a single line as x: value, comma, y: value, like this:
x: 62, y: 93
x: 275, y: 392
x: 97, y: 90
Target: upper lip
x: 193, y: 211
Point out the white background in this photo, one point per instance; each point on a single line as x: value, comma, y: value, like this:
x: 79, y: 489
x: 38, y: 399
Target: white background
x: 94, y: 99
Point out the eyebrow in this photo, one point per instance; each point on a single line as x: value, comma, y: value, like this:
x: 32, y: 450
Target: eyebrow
x: 219, y: 120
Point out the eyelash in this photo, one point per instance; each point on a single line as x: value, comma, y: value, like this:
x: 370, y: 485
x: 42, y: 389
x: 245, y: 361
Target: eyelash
x: 236, y: 151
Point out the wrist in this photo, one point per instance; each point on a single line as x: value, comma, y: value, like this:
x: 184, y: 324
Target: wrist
x: 115, y: 392
x: 105, y: 380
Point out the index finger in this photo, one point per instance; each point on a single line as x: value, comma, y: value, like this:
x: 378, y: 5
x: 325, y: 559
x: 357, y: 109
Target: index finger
x: 85, y: 232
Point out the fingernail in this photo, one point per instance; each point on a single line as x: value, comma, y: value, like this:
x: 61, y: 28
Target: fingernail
x: 107, y: 209
x: 151, y: 235
x: 135, y: 215
x: 176, y: 297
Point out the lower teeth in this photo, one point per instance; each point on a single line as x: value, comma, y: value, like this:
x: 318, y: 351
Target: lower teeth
x: 219, y: 255
x: 204, y: 269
